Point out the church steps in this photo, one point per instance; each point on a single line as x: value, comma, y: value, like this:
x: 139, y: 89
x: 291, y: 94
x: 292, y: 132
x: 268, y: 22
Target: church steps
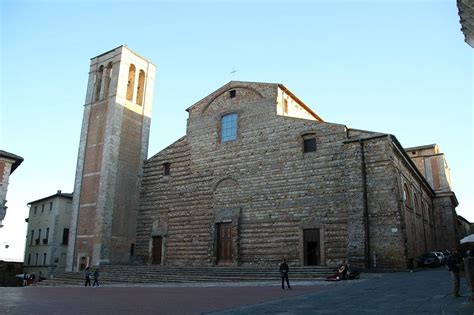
x: 161, y: 274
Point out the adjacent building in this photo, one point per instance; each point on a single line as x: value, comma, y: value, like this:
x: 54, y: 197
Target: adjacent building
x: 260, y: 176
x: 48, y: 235
x: 8, y: 164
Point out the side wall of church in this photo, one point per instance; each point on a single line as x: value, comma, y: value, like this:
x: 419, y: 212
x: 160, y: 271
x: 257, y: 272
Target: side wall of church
x: 416, y: 204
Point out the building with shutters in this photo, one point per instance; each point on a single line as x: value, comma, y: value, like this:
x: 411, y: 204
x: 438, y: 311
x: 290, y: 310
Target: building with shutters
x: 47, y: 238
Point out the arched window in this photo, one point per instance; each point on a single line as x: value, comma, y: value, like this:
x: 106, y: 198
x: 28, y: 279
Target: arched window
x: 108, y: 78
x: 228, y: 128
x: 98, y: 83
x: 141, y: 82
x: 416, y: 206
x: 406, y: 195
x: 131, y: 82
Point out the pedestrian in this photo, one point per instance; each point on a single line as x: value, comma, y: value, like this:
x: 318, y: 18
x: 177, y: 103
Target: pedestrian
x: 469, y: 271
x: 96, y: 277
x: 284, y: 269
x: 33, y: 278
x: 342, y: 271
x: 88, y: 277
x: 25, y: 279
x: 453, y: 267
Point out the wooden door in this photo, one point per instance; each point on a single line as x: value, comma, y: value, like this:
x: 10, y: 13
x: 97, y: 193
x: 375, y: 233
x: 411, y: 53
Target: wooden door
x: 224, y: 243
x: 157, y: 248
x: 311, y: 247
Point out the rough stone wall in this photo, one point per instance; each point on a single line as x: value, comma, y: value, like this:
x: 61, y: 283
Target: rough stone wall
x: 446, y: 222
x: 383, y: 245
x: 269, y: 189
x: 418, y: 212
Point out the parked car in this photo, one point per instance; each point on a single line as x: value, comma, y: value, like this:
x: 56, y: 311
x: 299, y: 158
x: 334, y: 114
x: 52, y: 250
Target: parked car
x: 429, y: 260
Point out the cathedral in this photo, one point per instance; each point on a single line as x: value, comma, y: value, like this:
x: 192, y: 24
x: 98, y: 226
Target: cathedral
x: 258, y: 176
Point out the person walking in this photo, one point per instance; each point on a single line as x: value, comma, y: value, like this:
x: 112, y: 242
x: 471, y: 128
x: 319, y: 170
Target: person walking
x: 88, y: 277
x: 96, y: 277
x: 284, y: 269
x: 25, y: 279
x: 469, y: 271
x: 452, y: 266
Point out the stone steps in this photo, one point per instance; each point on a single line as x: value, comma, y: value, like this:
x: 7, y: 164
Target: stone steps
x: 111, y: 274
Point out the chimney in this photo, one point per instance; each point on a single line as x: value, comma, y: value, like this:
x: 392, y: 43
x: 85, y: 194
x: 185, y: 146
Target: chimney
x: 59, y: 192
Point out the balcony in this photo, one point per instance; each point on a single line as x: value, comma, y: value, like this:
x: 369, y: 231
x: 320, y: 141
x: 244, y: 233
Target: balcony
x: 37, y: 241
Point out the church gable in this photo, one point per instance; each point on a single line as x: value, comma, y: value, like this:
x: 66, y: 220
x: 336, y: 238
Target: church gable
x: 235, y: 90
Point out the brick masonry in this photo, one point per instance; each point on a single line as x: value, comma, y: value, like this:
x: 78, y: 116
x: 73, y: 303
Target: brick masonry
x: 113, y: 146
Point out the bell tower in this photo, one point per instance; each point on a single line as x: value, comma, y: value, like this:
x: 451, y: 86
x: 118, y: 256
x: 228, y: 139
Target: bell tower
x: 112, y: 148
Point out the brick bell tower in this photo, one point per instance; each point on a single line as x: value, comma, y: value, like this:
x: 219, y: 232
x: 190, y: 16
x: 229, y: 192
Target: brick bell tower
x: 112, y: 148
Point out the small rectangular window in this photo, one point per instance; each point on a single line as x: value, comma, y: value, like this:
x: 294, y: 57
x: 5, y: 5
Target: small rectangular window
x: 309, y: 145
x: 232, y: 93
x: 50, y: 206
x: 36, y: 258
x: 36, y: 209
x: 29, y: 259
x: 166, y: 168
x: 132, y: 249
x: 32, y: 237
x: 42, y: 208
x: 44, y: 259
x: 285, y: 106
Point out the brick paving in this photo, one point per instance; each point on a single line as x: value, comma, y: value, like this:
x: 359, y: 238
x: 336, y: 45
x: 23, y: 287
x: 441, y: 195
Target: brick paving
x: 423, y: 292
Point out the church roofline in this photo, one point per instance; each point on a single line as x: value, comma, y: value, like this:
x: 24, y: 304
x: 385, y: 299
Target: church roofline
x: 460, y: 217
x: 231, y: 84
x: 422, y: 147
x: 412, y: 164
x: 402, y: 152
x: 167, y: 147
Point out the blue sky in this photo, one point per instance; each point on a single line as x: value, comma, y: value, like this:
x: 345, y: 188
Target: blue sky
x: 400, y: 67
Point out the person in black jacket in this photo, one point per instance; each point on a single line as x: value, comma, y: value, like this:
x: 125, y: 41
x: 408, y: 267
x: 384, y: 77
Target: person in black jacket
x: 88, y: 277
x: 453, y: 261
x: 284, y: 269
x: 96, y: 277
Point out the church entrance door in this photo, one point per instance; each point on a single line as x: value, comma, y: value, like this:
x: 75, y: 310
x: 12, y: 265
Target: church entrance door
x: 311, y: 247
x: 157, y: 248
x: 224, y: 243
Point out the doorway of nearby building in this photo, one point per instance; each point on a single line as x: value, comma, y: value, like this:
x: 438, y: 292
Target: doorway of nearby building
x: 157, y: 249
x: 311, y: 247
x: 224, y: 243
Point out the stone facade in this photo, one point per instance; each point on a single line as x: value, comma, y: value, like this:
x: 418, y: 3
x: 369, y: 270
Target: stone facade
x: 466, y: 19
x: 433, y: 166
x: 113, y: 146
x: 8, y: 163
x: 261, y: 197
x: 48, y: 235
